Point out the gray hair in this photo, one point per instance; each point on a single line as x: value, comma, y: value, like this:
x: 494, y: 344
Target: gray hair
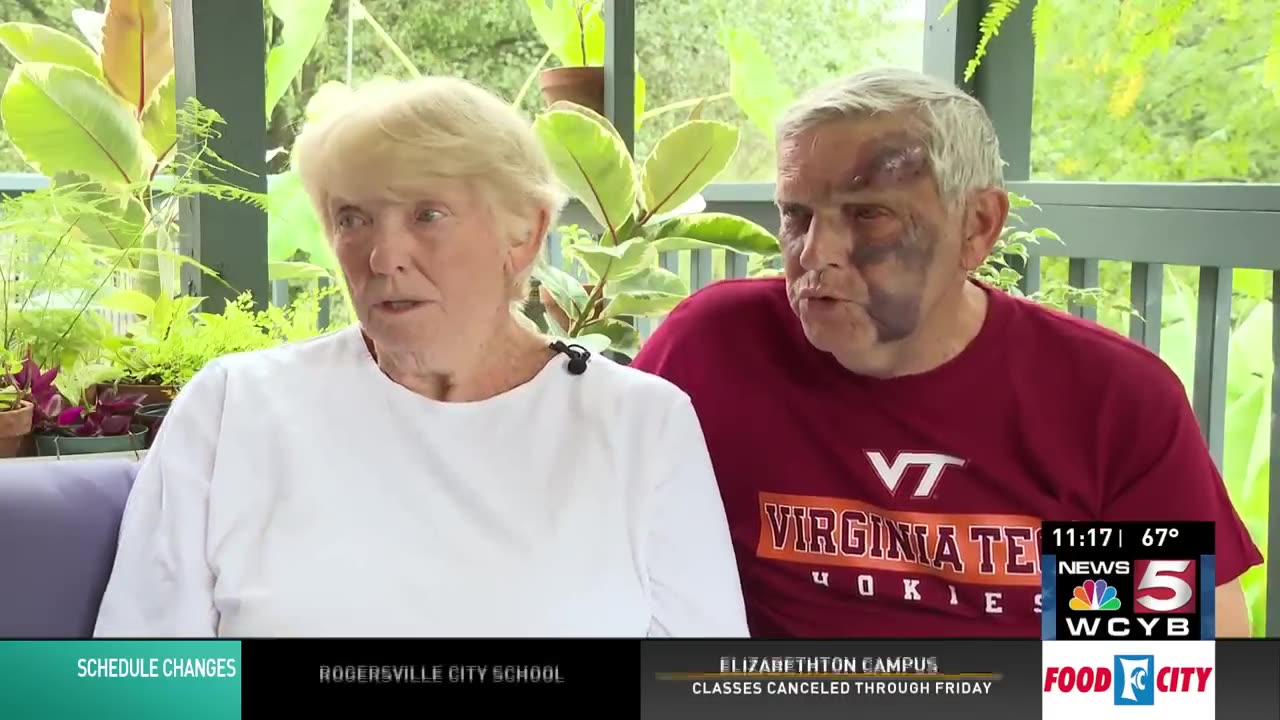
x: 963, y: 149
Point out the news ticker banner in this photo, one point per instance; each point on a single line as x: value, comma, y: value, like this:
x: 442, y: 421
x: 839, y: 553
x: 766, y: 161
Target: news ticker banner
x: 667, y: 679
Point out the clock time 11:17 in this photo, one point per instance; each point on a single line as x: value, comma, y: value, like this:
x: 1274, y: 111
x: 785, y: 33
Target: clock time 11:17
x: 1087, y: 537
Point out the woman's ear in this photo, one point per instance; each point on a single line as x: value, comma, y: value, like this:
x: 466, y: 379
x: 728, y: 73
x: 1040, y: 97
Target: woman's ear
x: 525, y: 252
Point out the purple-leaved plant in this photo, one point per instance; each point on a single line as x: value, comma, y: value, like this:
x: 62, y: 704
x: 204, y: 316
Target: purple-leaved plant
x: 37, y: 386
x: 111, y: 413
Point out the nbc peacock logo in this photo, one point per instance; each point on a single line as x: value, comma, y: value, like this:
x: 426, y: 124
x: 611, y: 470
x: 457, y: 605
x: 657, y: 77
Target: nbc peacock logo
x: 1094, y: 595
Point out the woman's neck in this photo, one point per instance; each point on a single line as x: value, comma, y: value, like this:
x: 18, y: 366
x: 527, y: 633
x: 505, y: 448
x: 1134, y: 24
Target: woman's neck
x: 509, y: 357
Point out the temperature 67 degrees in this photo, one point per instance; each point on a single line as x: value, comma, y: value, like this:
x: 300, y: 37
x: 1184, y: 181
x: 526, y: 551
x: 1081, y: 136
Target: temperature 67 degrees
x: 1157, y: 536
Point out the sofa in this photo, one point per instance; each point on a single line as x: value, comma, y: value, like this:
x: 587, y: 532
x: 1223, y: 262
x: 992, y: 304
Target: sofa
x: 59, y: 522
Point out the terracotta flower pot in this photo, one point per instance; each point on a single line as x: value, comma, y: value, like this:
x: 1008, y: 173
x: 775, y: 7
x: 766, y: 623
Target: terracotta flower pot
x: 15, y: 431
x: 581, y: 85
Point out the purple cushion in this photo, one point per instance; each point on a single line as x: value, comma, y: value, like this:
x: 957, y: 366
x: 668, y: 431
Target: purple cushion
x: 59, y: 522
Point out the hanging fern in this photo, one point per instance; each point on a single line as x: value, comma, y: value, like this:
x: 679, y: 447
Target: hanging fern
x: 989, y: 27
x: 1167, y: 18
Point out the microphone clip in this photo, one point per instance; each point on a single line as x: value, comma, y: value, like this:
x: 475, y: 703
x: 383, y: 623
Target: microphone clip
x: 578, y: 356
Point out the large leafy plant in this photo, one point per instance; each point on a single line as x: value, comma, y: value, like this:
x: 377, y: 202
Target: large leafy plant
x: 101, y: 114
x: 100, y: 118
x: 641, y: 209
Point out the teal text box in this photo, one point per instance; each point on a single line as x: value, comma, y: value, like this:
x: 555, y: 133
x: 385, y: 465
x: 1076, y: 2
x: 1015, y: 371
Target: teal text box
x: 120, y: 679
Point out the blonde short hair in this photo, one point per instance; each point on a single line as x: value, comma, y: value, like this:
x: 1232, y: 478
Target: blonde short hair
x: 394, y: 135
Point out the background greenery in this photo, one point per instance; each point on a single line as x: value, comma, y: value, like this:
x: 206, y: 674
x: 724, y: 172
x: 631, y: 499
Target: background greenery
x: 1125, y: 91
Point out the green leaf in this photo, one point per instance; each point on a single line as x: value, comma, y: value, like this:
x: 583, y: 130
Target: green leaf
x: 593, y: 35
x: 63, y: 120
x: 1252, y: 283
x: 651, y: 280
x: 575, y: 107
x: 160, y: 121
x: 619, y: 262
x: 128, y: 301
x: 753, y: 80
x: 557, y: 25
x: 717, y: 230
x: 292, y: 223
x: 1046, y: 233
x: 684, y: 161
x: 303, y: 21
x: 592, y: 162
x: 28, y: 42
x: 640, y: 305
x: 623, y: 338
x: 564, y: 288
x: 595, y: 342
x: 115, y: 220
x: 641, y: 96
x: 292, y: 270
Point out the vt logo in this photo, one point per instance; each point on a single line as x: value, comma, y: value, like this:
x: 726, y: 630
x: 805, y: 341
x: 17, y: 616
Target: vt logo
x: 892, y: 472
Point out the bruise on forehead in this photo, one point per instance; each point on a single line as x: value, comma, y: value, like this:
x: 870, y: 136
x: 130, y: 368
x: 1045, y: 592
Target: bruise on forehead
x: 888, y: 162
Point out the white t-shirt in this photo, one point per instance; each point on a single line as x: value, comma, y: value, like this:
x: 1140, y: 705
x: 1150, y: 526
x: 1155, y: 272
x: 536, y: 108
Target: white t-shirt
x: 299, y: 491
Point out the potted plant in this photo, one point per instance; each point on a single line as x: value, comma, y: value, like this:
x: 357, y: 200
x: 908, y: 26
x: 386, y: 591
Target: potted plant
x: 106, y: 425
x: 573, y: 31
x: 15, y: 414
x: 172, y: 342
x: 37, y: 387
x: 642, y: 209
x: 138, y: 356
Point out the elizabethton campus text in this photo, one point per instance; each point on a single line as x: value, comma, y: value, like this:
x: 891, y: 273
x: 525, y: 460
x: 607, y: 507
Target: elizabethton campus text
x: 866, y: 676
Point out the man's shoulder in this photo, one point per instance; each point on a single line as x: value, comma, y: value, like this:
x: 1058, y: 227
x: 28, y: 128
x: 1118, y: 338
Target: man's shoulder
x: 729, y: 308
x: 735, y: 316
x: 1052, y: 337
x: 736, y: 294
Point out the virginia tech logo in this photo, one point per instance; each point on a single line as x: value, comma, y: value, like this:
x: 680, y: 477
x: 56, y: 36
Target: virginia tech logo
x: 893, y: 473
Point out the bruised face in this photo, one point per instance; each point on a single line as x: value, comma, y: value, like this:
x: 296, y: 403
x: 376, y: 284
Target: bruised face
x: 867, y: 243
x: 428, y: 268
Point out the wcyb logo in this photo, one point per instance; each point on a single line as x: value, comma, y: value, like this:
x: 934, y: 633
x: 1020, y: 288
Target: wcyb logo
x: 1163, y: 600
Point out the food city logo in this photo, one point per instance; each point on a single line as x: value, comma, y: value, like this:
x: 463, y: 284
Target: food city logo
x: 808, y: 675
x: 1131, y: 680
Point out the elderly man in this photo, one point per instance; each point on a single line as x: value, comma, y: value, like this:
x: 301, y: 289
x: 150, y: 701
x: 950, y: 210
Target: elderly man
x: 888, y: 433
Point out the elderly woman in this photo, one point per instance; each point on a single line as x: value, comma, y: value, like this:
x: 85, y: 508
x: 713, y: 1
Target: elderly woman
x: 438, y: 468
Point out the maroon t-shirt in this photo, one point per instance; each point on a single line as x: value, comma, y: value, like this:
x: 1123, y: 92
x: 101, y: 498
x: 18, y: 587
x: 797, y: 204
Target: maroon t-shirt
x: 911, y: 506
